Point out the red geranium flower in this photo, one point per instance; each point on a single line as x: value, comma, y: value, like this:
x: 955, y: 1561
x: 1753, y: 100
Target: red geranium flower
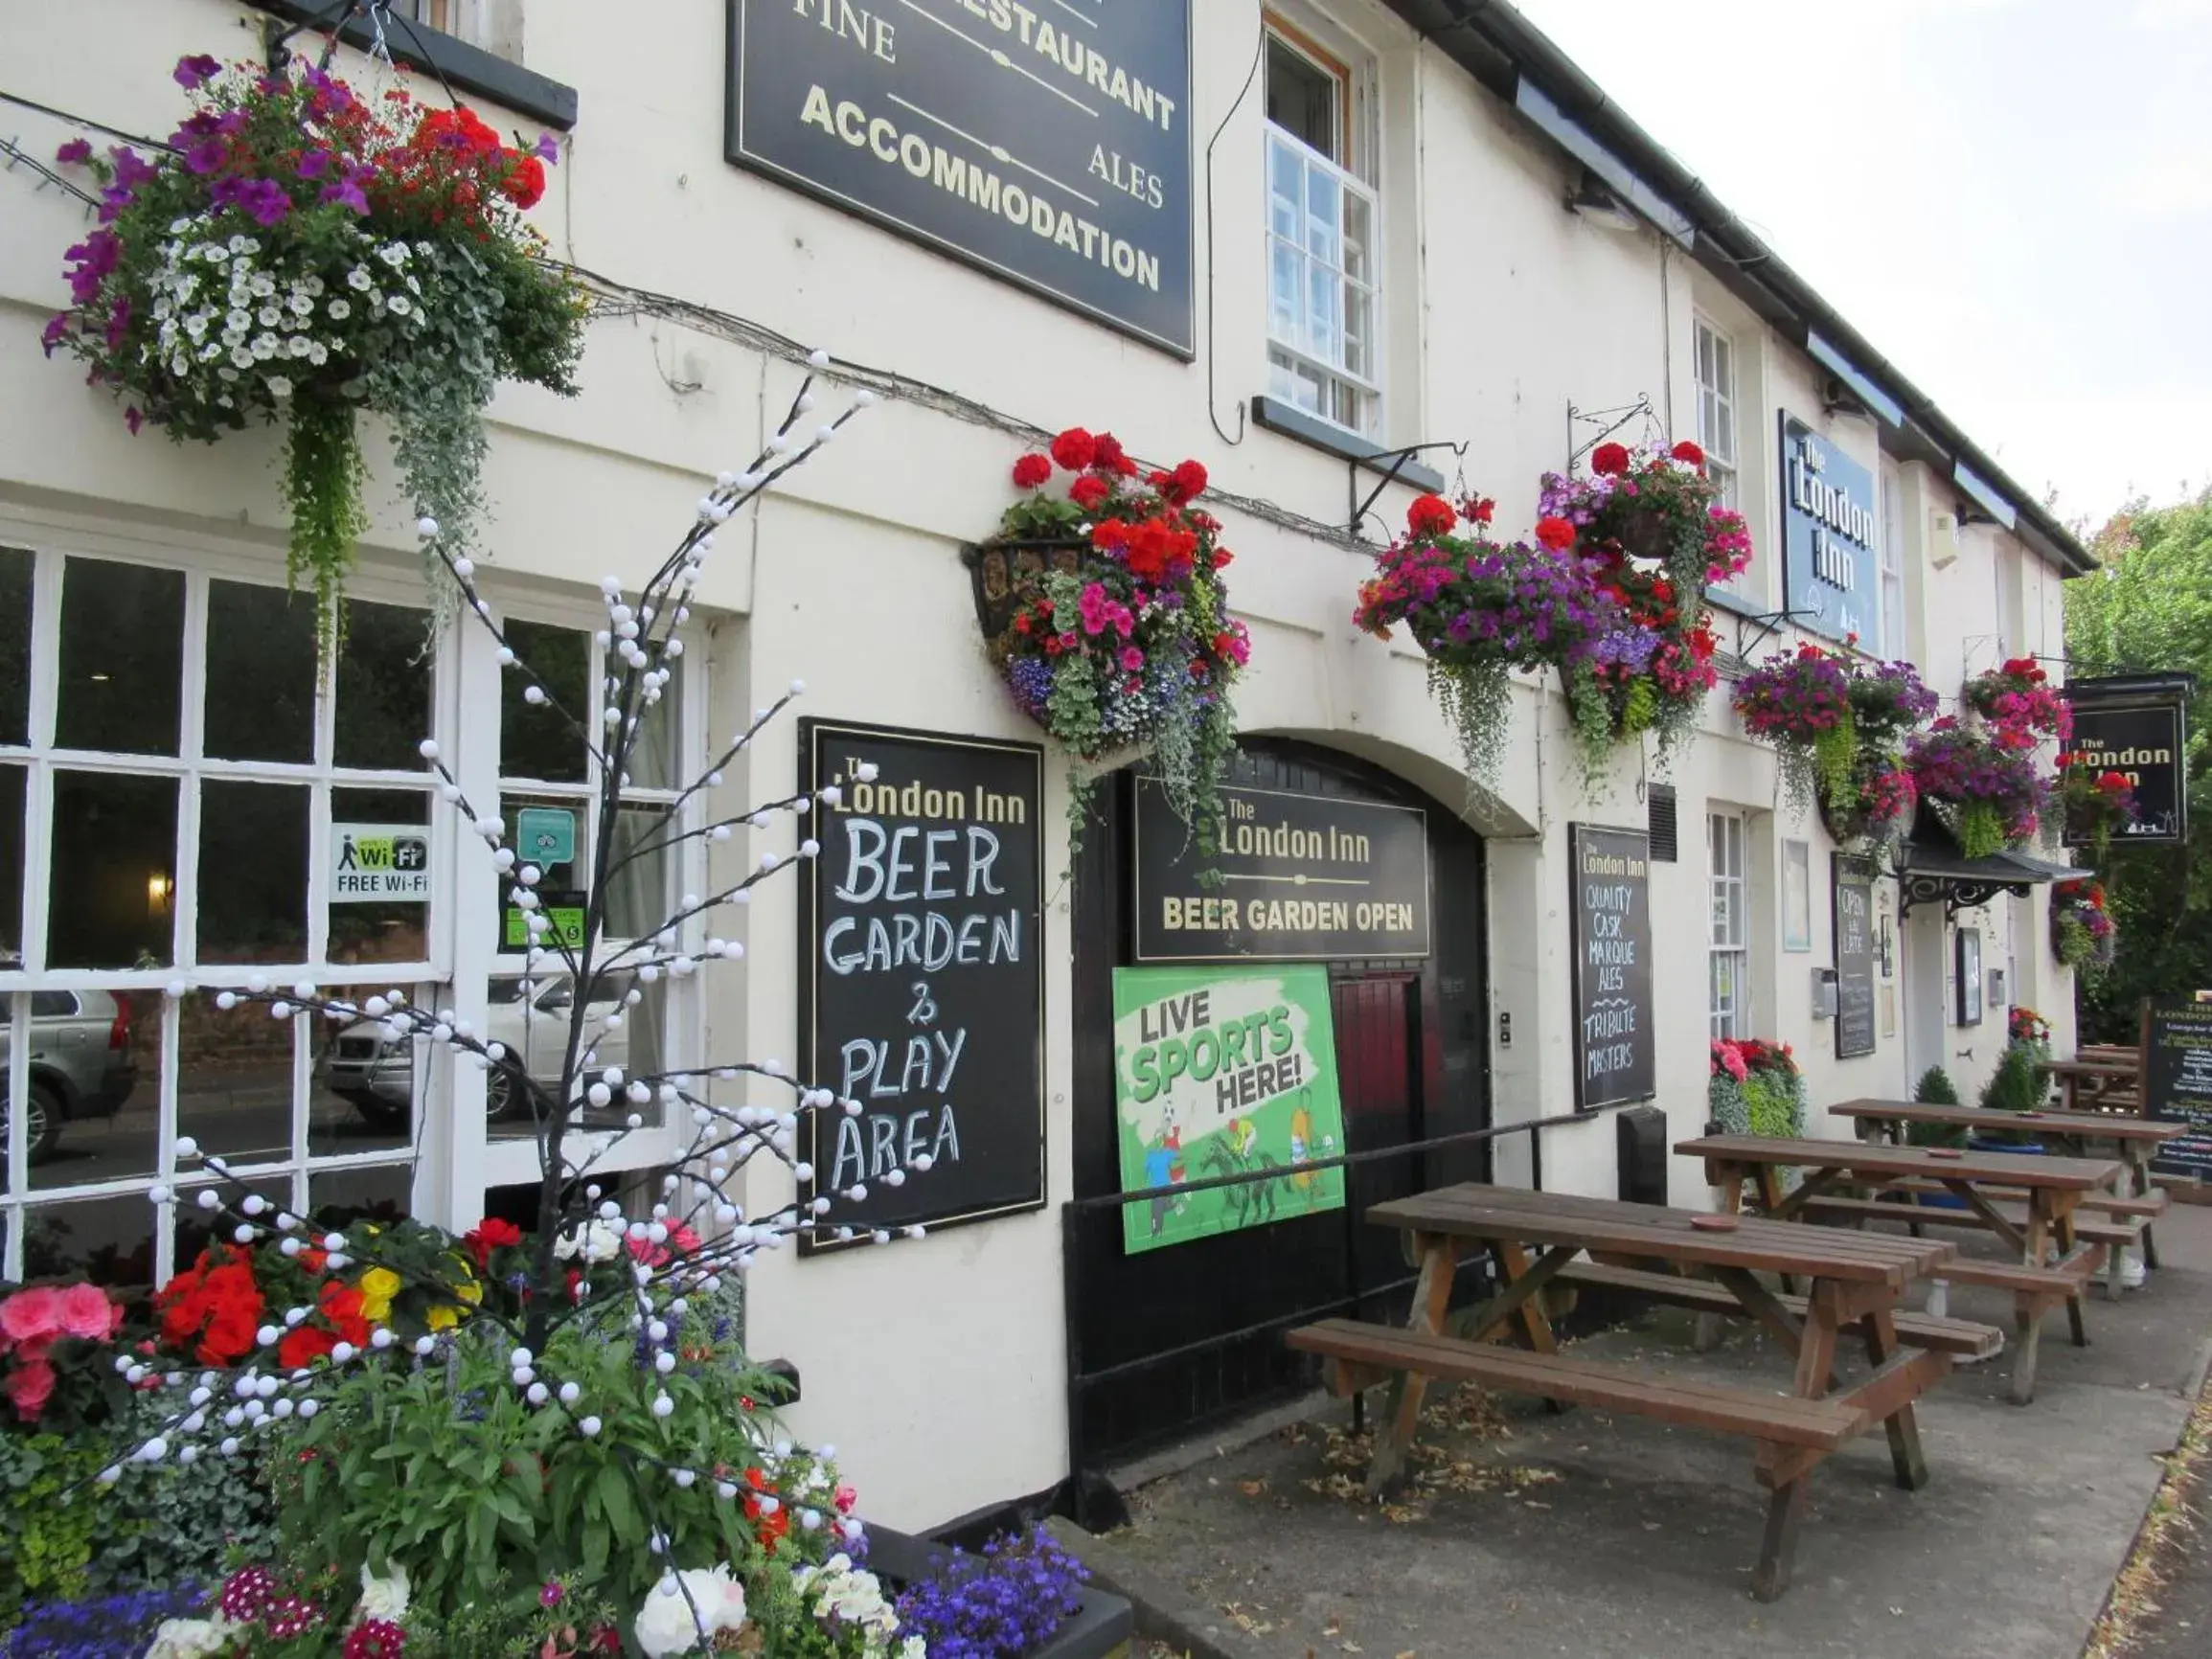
x: 1089, y: 492
x: 341, y: 1305
x: 1031, y: 470
x: 1688, y: 451
x: 525, y: 186
x: 1075, y: 449
x: 1557, y: 533
x: 302, y: 1345
x: 489, y: 1235
x: 1431, y: 516
x: 1109, y: 456
x: 1609, y: 459
x: 1187, y: 483
x: 1479, y: 508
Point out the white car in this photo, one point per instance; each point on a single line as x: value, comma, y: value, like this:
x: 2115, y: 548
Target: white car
x: 369, y: 1071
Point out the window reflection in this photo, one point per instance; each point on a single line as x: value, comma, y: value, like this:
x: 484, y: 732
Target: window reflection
x: 234, y: 1084
x: 382, y: 688
x: 112, y: 899
x: 14, y: 783
x: 367, y: 1086
x: 108, y: 1240
x: 253, y: 872
x: 121, y: 679
x: 16, y: 572
x: 95, y: 1086
x: 542, y: 740
x: 261, y: 673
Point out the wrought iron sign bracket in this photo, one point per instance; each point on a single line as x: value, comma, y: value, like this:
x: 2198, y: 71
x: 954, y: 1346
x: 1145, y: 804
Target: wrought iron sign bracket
x: 1766, y: 625
x: 1389, y: 463
x: 1608, y: 422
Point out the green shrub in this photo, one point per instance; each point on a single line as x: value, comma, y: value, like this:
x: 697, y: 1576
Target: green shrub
x: 1935, y: 1088
x: 2019, y: 1083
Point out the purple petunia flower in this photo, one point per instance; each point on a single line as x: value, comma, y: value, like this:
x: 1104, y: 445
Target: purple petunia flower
x: 348, y: 192
x: 205, y: 156
x: 131, y: 170
x: 118, y: 322
x: 56, y: 332
x: 133, y: 419
x: 315, y: 164
x: 547, y: 150
x: 75, y: 154
x: 263, y: 201
x: 195, y: 72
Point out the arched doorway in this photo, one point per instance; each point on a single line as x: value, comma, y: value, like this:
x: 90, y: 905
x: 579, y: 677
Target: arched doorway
x: 1192, y: 1331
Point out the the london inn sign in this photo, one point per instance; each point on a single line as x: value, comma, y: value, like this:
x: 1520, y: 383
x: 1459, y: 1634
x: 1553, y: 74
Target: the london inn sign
x: 1046, y: 142
x: 1828, y: 537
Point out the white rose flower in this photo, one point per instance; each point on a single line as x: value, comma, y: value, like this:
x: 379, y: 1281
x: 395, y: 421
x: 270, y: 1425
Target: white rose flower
x: 384, y: 1598
x: 666, y: 1623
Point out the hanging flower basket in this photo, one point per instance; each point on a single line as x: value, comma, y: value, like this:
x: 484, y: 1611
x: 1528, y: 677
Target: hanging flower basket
x: 1800, y: 702
x: 1104, y: 610
x: 1984, y: 789
x: 1480, y: 609
x: 2018, y: 695
x: 1888, y: 701
x: 1877, y: 805
x: 2083, y: 932
x: 1652, y: 523
x: 301, y: 256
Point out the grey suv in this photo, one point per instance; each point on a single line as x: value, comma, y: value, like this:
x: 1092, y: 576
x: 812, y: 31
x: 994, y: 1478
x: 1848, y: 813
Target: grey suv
x: 81, y: 1063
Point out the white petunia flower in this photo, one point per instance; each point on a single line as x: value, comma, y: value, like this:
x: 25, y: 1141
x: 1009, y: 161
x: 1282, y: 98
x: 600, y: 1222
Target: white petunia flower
x: 193, y: 1638
x: 278, y: 386
x: 357, y: 278
x: 269, y: 316
x: 401, y: 305
x: 340, y: 310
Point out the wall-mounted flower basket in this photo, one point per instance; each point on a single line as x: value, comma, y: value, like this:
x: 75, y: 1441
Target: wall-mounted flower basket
x: 1104, y: 610
x: 2083, y: 933
x: 302, y: 256
x: 1835, y: 722
x: 1982, y: 787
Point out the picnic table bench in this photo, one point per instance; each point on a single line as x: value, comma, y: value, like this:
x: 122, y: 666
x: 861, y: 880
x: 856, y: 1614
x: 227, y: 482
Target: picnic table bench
x: 1854, y: 1285
x: 2135, y: 1140
x: 2100, y: 1083
x: 2051, y: 1265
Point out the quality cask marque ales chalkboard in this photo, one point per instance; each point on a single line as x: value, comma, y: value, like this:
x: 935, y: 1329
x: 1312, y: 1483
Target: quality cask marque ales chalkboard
x: 1616, y: 1052
x: 922, y: 975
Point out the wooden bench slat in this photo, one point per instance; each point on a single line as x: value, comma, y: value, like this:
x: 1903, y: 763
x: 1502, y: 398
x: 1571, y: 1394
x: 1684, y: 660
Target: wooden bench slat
x: 1818, y: 1424
x: 2154, y: 1203
x: 2060, y: 1279
x: 1957, y: 1336
x: 2112, y: 1231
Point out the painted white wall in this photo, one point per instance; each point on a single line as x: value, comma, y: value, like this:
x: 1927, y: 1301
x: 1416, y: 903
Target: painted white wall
x: 939, y: 1367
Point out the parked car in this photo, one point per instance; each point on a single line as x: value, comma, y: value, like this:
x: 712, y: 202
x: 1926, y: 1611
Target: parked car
x: 81, y: 1063
x: 374, y: 1074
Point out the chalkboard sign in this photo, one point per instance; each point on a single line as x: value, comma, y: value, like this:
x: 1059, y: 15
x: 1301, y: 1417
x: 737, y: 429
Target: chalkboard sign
x: 2178, y: 1082
x: 1297, y: 879
x: 1048, y: 144
x: 921, y: 974
x: 1616, y: 1054
x: 1853, y: 882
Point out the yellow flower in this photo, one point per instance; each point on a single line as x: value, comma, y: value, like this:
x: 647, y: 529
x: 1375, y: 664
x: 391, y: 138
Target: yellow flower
x: 377, y: 1286
x: 443, y: 1317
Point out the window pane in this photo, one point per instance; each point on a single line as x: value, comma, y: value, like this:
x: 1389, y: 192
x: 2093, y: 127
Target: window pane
x: 194, y: 1228
x: 95, y: 1084
x: 15, y: 567
x: 261, y: 673
x: 367, y: 1086
x: 383, y: 688
x: 379, y: 1193
x: 1302, y: 99
x: 13, y: 782
x: 535, y: 1034
x: 538, y: 741
x: 383, y: 930
x: 114, y: 871
x: 654, y: 762
x: 1358, y: 237
x: 234, y: 1083
x: 560, y: 884
x: 1321, y: 338
x: 1324, y: 207
x: 121, y: 684
x: 1283, y: 290
x: 253, y: 872
x: 108, y: 1240
x: 638, y: 896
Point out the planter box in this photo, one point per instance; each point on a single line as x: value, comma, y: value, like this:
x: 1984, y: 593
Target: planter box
x: 1102, y: 1627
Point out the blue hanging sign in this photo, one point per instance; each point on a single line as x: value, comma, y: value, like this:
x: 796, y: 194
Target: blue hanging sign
x: 1047, y: 143
x: 1829, y: 526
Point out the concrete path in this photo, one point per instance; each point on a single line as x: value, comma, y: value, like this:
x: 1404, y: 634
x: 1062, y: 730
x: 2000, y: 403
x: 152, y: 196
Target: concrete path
x: 1607, y: 1537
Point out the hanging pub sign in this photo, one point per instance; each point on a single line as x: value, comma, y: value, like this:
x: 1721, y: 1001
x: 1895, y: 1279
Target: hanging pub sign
x: 1852, y: 880
x: 2136, y: 725
x: 922, y: 975
x: 1829, y: 523
x: 1048, y: 144
x: 2177, y: 1039
x: 1225, y: 1071
x: 1616, y: 1054
x: 1297, y: 879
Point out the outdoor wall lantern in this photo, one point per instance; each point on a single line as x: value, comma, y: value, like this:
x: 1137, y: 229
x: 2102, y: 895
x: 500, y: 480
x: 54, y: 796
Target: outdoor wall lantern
x: 158, y: 890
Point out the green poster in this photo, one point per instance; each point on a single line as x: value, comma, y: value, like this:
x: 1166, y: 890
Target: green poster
x: 1219, y: 1070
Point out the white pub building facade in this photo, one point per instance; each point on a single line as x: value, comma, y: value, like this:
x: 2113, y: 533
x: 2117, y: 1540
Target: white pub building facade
x: 1342, y: 252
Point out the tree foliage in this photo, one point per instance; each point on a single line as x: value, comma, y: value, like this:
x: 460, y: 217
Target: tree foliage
x: 2150, y: 609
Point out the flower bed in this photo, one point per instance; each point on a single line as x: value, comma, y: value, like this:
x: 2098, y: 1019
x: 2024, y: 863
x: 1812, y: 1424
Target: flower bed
x: 2083, y: 932
x: 1755, y: 1088
x: 1105, y: 612
x: 302, y: 254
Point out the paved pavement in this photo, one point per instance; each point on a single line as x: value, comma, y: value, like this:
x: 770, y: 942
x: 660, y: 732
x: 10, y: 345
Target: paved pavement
x: 1615, y: 1538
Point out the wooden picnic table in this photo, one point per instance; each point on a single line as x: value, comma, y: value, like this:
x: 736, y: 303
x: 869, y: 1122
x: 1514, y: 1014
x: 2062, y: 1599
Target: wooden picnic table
x: 2049, y: 1264
x: 1854, y: 1284
x: 2135, y: 1140
x: 2098, y: 1080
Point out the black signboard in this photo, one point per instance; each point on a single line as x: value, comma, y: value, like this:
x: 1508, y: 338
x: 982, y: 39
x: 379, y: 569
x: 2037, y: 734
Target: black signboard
x: 2144, y: 741
x: 922, y: 975
x: 1852, y: 880
x: 1298, y: 878
x: 1616, y: 1054
x: 1048, y: 143
x: 2178, y: 1080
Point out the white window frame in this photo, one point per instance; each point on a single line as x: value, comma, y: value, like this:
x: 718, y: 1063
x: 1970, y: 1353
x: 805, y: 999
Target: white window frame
x: 1728, y: 939
x: 1352, y: 177
x: 1895, y: 639
x: 1717, y: 395
x: 451, y: 1165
